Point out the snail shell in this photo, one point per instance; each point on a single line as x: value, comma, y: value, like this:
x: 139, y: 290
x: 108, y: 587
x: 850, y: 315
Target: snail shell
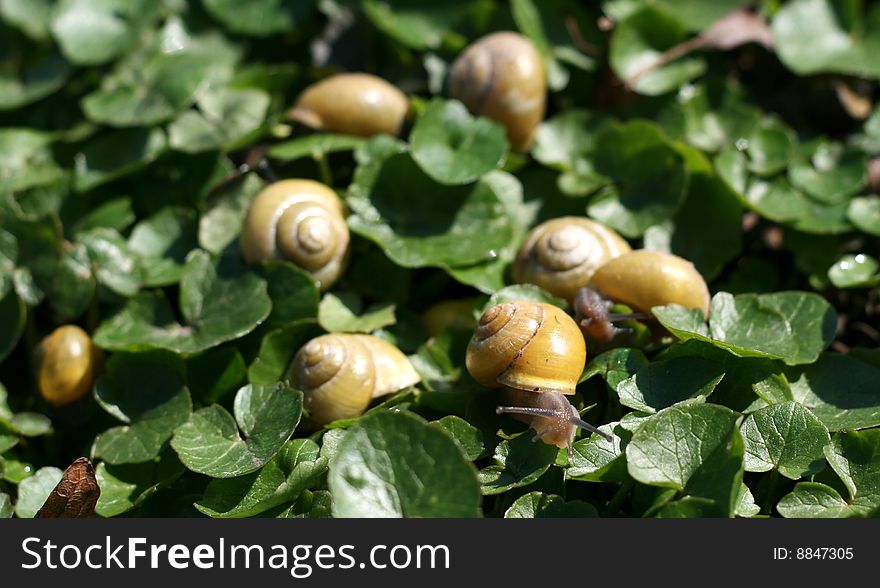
x: 301, y: 221
x: 529, y: 346
x: 352, y: 103
x: 67, y: 363
x: 561, y: 254
x: 501, y: 76
x: 340, y: 374
x: 643, y: 279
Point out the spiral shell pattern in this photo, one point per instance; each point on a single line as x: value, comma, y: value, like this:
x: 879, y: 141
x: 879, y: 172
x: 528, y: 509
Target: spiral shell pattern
x: 561, y: 254
x: 340, y: 374
x: 301, y: 221
x: 352, y: 103
x: 529, y: 346
x: 501, y: 76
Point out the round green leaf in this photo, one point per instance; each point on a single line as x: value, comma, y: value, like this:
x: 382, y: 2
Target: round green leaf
x: 74, y: 283
x: 95, y: 31
x: 33, y: 491
x: 260, y: 18
x: 6, y: 508
x: 418, y: 222
x: 468, y: 437
x: 785, y: 436
x: 812, y: 500
x: 538, y: 505
x: 855, y: 457
x: 31, y: 16
x: 296, y: 467
x: 26, y: 160
x: 223, y: 119
x: 855, y: 271
x: 147, y: 392
x: 215, y: 306
x: 162, y: 242
x: 393, y: 464
x: 343, y: 314
x: 453, y: 147
x: 596, y: 459
x: 649, y: 177
x: 864, y: 213
x: 220, y: 224
x: 316, y: 146
x: 38, y: 74
x: 664, y: 383
x: 115, y: 265
x: 210, y: 443
x: 828, y: 172
x: 518, y: 462
x: 114, y: 155
x: 792, y: 326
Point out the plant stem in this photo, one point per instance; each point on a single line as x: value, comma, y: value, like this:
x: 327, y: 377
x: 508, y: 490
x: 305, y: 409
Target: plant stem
x: 326, y: 173
x: 616, y: 501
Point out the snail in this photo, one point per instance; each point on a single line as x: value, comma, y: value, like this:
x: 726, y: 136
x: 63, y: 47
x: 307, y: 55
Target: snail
x: 642, y: 279
x: 560, y: 255
x: 353, y: 103
x: 340, y: 374
x: 591, y: 314
x: 501, y: 76
x: 302, y: 221
x: 67, y: 363
x: 536, y: 354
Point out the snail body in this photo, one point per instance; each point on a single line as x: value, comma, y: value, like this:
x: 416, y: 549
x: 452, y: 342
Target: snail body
x: 562, y: 254
x: 536, y: 354
x: 642, y: 279
x: 501, y: 76
x: 301, y: 221
x: 340, y: 374
x: 67, y: 363
x: 353, y: 103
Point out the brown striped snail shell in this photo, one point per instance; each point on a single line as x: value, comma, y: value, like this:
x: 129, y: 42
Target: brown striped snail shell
x: 501, y: 76
x: 340, y: 374
x: 642, y: 279
x: 352, y: 103
x: 301, y: 221
x: 535, y: 352
x: 562, y: 254
x: 67, y: 364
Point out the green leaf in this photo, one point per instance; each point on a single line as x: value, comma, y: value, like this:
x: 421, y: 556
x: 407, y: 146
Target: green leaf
x: 125, y: 487
x: 827, y: 171
x: 649, y: 177
x: 769, y: 148
x: 343, y: 313
x: 518, y: 462
x: 216, y: 306
x: 787, y: 437
x: 31, y: 16
x: 694, y: 448
x: 664, y: 383
x: 13, y: 315
x: 468, y: 437
x: 216, y: 373
x: 162, y: 242
x: 864, y: 213
x: 146, y: 391
x: 210, y: 443
x: 74, y: 283
x: 33, y: 491
x: 792, y: 326
x: 417, y: 24
x: 840, y: 390
x: 393, y: 464
x: 639, y: 41
x: 222, y: 120
x: 418, y: 222
x: 816, y: 36
x: 6, y: 509
x: 855, y: 271
x: 595, y: 459
x: 745, y: 504
x: 813, y: 500
x: 453, y: 147
x: 116, y: 154
x: 115, y: 264
x: 221, y: 223
x: 294, y: 293
x: 538, y: 505
x: 91, y: 32
x: 277, y: 350
x: 615, y: 365
x: 37, y: 73
x: 26, y: 160
x: 316, y: 146
x: 260, y: 18
x: 296, y: 467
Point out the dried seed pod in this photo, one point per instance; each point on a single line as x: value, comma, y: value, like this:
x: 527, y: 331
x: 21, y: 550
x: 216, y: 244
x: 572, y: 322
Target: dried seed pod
x: 67, y: 364
x: 301, y: 221
x: 340, y: 374
x: 501, y: 76
x: 562, y: 254
x: 642, y: 279
x: 352, y: 103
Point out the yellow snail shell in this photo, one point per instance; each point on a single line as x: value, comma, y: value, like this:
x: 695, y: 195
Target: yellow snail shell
x: 67, y: 363
x: 340, y: 374
x: 501, y: 76
x: 352, y: 103
x: 561, y: 254
x: 301, y: 221
x: 529, y: 346
x: 642, y: 279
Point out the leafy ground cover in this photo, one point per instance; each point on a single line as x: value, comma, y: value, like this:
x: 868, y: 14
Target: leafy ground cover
x: 743, y: 136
